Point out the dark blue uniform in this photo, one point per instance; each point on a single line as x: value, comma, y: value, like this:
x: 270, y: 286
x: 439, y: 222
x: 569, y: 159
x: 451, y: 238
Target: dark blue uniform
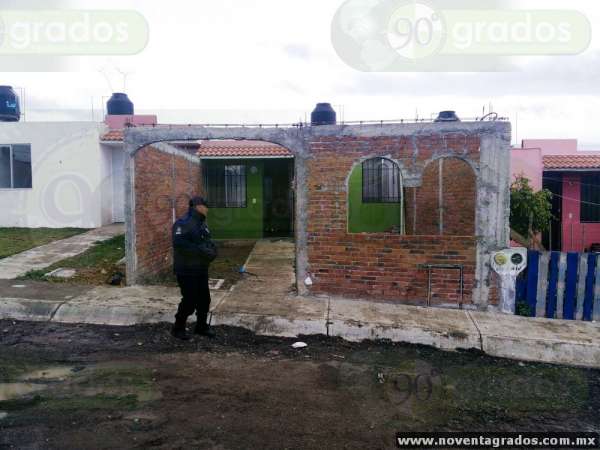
x: 193, y: 251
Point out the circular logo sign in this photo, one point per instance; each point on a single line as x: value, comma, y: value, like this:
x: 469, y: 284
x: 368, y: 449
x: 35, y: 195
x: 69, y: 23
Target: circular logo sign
x: 500, y: 259
x: 415, y: 31
x: 516, y: 258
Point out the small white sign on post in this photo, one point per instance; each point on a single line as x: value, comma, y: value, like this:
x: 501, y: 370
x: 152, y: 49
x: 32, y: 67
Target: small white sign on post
x: 509, y: 263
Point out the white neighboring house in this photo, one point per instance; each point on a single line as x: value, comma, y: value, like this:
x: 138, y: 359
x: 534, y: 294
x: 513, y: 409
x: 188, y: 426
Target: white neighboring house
x: 59, y: 174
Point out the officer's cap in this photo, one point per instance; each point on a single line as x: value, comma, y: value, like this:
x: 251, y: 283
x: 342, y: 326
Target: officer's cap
x: 197, y: 201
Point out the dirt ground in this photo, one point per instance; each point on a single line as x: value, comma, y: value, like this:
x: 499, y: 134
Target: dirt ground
x: 88, y: 387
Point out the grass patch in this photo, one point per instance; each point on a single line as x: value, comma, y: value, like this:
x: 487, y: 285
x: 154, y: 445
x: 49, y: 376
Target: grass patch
x: 19, y: 404
x: 501, y: 391
x: 11, y: 369
x: 17, y: 240
x: 96, y: 265
x: 517, y: 390
x: 137, y: 377
x: 427, y: 388
x: 100, y: 401
x: 118, y: 388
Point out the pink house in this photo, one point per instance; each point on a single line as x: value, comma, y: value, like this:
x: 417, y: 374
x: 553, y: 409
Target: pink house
x: 573, y: 176
x: 118, y: 122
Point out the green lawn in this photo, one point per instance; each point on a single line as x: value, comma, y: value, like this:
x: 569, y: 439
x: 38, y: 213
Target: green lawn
x: 96, y: 265
x: 16, y: 240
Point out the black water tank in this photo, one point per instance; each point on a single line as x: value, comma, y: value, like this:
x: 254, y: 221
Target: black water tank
x: 10, y: 110
x: 323, y: 114
x: 119, y: 105
x: 447, y: 116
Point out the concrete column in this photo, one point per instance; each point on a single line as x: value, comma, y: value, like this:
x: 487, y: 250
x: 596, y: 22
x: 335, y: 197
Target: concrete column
x: 130, y: 248
x: 493, y: 206
x: 301, y: 233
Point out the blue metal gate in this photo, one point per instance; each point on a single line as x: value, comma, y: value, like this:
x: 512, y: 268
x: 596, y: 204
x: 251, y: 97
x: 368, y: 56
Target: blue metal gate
x: 560, y: 285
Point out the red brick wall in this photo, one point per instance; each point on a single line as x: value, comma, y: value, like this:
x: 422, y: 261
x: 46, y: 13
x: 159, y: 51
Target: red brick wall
x: 380, y: 265
x: 459, y: 195
x: 385, y: 265
x: 161, y: 181
x: 427, y: 204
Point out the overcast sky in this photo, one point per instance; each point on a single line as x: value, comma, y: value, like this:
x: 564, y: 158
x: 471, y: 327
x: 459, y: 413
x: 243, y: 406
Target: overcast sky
x: 272, y: 60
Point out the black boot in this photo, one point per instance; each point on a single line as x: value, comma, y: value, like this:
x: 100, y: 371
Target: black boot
x: 203, y: 329
x: 178, y: 330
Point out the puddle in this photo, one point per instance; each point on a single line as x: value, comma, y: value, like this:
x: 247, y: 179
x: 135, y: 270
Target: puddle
x: 50, y: 373
x: 98, y: 386
x: 30, y: 382
x: 9, y: 391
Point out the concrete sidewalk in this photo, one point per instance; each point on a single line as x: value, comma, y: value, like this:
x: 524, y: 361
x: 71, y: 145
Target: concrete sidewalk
x: 45, y: 255
x: 37, y: 301
x: 265, y: 303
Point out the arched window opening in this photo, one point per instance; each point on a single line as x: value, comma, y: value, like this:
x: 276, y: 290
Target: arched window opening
x: 376, y: 197
x: 444, y: 203
x: 382, y: 182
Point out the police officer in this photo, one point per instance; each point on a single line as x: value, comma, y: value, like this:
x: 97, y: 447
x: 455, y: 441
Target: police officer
x: 193, y: 251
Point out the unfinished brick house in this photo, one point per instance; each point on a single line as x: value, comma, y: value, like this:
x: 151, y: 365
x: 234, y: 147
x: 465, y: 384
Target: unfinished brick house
x: 402, y: 212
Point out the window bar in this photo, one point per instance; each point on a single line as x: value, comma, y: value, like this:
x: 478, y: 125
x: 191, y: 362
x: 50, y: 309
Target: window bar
x: 10, y: 158
x: 401, y: 188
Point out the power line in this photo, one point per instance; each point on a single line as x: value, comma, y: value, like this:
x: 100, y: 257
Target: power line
x: 573, y: 181
x: 576, y: 200
x: 572, y: 198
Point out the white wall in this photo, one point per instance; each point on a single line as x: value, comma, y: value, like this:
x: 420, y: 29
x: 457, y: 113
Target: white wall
x: 118, y: 184
x: 71, y: 180
x: 106, y: 184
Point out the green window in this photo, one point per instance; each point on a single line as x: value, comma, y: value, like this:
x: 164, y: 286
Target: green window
x: 375, y: 197
x: 225, y: 185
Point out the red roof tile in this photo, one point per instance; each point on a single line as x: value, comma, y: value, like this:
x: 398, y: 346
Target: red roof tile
x: 241, y: 148
x: 112, y: 136
x: 222, y: 148
x: 572, y: 162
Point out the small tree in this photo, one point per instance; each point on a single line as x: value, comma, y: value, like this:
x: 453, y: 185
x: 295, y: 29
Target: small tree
x: 530, y: 212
